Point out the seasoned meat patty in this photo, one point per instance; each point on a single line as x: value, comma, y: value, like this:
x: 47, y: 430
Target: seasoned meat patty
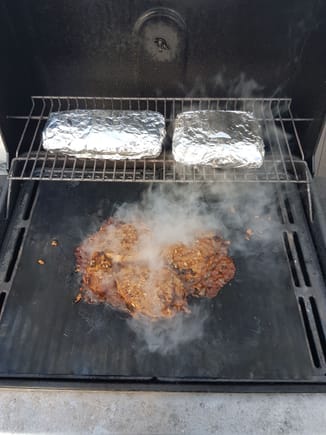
x: 115, y: 270
x: 203, y: 266
x: 153, y: 294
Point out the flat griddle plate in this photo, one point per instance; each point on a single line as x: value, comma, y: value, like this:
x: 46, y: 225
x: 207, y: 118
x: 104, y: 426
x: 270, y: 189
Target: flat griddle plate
x: 253, y: 330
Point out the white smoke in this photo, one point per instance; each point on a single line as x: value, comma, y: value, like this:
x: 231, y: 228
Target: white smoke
x: 176, y: 213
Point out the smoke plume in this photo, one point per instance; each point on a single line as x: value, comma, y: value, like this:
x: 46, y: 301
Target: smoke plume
x: 244, y: 214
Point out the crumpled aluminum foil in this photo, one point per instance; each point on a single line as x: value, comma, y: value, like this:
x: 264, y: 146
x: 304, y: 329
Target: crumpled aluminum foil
x: 218, y: 138
x: 105, y: 134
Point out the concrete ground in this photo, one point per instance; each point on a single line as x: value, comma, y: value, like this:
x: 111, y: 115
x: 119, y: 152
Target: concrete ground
x: 40, y: 411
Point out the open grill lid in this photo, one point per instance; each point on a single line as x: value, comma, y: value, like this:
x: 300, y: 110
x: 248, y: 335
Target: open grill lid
x: 179, y: 49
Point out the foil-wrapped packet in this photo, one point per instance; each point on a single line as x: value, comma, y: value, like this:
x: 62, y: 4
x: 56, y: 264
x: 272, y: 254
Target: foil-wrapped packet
x: 218, y: 138
x: 105, y: 134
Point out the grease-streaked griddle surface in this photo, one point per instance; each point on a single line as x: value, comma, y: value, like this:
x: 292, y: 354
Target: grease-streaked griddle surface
x: 253, y: 329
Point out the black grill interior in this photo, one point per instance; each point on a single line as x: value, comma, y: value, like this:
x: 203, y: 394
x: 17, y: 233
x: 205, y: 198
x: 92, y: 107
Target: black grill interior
x: 253, y: 331
x: 268, y: 326
x: 216, y: 49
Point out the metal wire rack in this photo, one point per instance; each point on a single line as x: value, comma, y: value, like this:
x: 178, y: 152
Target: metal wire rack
x: 284, y: 160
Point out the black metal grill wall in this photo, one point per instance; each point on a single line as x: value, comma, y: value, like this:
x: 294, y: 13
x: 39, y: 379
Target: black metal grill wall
x: 162, y: 48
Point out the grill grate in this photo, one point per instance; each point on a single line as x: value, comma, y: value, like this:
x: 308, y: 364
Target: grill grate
x: 284, y: 156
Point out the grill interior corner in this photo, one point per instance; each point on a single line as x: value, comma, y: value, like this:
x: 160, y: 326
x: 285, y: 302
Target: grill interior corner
x: 162, y: 195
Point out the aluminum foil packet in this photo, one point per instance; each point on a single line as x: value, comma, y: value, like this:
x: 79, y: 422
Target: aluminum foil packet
x: 218, y: 138
x: 105, y: 134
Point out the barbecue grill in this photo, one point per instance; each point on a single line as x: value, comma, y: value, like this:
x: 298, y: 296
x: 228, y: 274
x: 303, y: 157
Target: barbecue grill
x: 267, y: 329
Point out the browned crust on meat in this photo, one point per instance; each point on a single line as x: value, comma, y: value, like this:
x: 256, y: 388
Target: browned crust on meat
x: 204, y: 265
x: 113, y: 273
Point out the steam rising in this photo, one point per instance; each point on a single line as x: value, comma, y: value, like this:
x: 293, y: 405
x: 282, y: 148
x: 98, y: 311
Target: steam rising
x: 173, y: 214
x: 166, y: 336
x: 245, y: 214
x: 222, y: 84
x: 177, y: 213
